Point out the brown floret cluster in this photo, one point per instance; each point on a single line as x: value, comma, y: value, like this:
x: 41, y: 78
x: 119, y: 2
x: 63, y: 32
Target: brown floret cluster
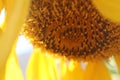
x: 72, y: 28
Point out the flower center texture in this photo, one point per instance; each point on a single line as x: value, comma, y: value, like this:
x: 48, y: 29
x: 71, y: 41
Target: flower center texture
x: 72, y: 28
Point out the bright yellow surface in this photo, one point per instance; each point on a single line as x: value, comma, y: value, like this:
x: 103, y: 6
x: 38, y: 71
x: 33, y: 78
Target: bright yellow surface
x: 13, y: 71
x: 109, y: 8
x: 97, y: 71
x: 16, y: 12
x: 44, y: 67
x: 41, y: 67
x: 74, y: 72
x: 1, y: 4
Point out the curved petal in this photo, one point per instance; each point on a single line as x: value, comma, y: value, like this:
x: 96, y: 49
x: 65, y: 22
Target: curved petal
x: 40, y: 67
x: 13, y: 71
x: 96, y: 71
x: 53, y: 70
x: 74, y: 72
x: 63, y: 70
x: 14, y: 22
x: 1, y: 4
x: 109, y: 8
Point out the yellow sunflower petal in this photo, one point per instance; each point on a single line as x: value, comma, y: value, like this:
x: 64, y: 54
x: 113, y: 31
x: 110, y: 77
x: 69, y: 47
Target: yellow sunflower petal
x: 33, y: 66
x: 7, y: 37
x: 53, y: 70
x: 1, y: 4
x: 13, y: 71
x: 96, y: 71
x: 10, y: 7
x: 75, y: 71
x: 40, y: 67
x: 63, y: 70
x: 109, y: 8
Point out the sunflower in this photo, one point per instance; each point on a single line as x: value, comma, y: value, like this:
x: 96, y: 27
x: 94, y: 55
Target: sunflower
x: 72, y: 39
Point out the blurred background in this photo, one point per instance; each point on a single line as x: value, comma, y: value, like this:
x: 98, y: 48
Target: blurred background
x: 23, y: 50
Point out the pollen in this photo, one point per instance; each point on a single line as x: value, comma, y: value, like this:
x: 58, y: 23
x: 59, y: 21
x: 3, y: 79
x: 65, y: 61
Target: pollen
x: 74, y: 29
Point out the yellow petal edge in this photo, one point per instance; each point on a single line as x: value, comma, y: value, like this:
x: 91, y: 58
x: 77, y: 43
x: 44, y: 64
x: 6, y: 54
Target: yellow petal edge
x: 13, y: 71
x: 109, y: 8
x: 17, y: 11
x: 97, y: 71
